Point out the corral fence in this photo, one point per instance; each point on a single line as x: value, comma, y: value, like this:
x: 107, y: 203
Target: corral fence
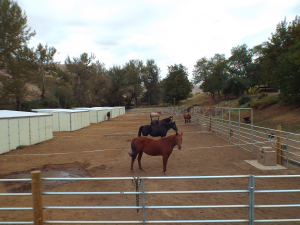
x: 248, y: 188
x: 236, y: 126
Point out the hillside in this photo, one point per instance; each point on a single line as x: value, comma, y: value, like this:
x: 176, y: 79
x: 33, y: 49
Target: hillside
x: 278, y: 114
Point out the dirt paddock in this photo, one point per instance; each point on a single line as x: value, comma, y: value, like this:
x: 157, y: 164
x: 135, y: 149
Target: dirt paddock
x: 101, y: 150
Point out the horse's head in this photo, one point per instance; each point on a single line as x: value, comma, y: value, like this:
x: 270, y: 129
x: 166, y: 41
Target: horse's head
x: 178, y: 140
x: 174, y: 127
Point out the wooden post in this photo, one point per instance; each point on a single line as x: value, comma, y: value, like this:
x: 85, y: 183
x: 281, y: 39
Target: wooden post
x: 210, y: 112
x: 279, y: 155
x: 36, y: 188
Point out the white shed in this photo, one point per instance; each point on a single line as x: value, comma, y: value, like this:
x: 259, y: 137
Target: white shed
x: 114, y: 112
x: 121, y: 110
x: 23, y: 128
x: 67, y: 119
x: 97, y: 115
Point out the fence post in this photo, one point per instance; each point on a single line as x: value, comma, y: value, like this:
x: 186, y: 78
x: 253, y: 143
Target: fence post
x: 279, y: 157
x: 144, y: 211
x: 229, y: 125
x: 251, y: 130
x: 36, y: 188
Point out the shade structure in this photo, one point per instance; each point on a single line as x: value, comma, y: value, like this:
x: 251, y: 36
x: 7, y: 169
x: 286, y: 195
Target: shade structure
x: 114, y: 112
x: 121, y: 110
x: 23, y: 128
x: 97, y: 115
x: 67, y: 119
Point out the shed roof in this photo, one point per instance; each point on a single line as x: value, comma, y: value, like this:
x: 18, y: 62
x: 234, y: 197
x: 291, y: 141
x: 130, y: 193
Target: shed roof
x: 59, y: 110
x: 7, y: 114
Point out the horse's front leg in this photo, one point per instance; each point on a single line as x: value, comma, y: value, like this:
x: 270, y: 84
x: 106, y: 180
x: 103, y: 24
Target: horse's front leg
x: 132, y: 161
x: 139, y: 160
x: 165, y: 161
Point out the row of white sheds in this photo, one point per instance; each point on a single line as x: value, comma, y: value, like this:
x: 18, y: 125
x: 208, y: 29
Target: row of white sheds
x: 27, y: 128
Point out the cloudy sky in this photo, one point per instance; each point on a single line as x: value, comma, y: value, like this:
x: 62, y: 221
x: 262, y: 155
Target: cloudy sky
x: 168, y: 31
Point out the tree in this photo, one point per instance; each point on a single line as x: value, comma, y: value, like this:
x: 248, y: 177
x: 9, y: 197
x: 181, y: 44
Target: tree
x: 45, y: 67
x: 151, y: 80
x: 117, y: 85
x: 286, y: 75
x: 79, y: 70
x: 19, y: 69
x: 212, y: 73
x: 15, y: 57
x: 134, y: 71
x: 281, y: 57
x: 176, y: 84
x: 242, y: 65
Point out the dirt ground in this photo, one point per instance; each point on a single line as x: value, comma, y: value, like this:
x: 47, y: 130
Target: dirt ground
x: 101, y: 150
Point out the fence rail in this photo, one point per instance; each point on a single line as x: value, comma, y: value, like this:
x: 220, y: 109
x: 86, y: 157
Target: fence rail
x: 251, y: 191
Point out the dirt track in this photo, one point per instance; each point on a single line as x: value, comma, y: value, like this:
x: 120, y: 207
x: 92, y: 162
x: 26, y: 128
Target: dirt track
x: 101, y: 151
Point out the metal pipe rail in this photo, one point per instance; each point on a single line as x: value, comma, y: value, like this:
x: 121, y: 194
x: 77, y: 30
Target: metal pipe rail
x: 251, y: 192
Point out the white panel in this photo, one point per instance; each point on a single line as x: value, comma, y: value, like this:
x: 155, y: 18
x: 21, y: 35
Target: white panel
x: 87, y: 118
x: 4, y: 144
x: 42, y: 128
x: 14, y: 139
x: 34, y: 130
x: 55, y: 122
x: 24, y: 131
x: 49, y: 127
x: 64, y: 122
x: 73, y: 121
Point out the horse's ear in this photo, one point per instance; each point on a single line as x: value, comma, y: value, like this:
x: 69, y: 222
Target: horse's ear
x: 176, y: 133
x: 181, y: 133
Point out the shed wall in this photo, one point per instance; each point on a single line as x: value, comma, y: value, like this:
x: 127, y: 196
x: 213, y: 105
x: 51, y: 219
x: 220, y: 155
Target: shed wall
x: 4, y: 139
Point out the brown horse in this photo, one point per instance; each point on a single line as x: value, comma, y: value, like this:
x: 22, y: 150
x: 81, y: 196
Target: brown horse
x: 153, y: 114
x: 108, y: 115
x: 187, y: 117
x: 163, y: 146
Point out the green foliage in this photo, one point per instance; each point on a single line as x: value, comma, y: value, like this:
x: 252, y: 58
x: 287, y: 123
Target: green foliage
x: 262, y: 95
x: 150, y: 79
x: 20, y: 146
x: 117, y: 88
x: 264, y: 102
x: 176, y: 84
x: 244, y: 99
x: 281, y: 58
x: 40, y: 104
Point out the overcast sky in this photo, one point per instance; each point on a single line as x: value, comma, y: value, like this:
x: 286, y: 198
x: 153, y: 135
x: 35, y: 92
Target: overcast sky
x: 168, y: 31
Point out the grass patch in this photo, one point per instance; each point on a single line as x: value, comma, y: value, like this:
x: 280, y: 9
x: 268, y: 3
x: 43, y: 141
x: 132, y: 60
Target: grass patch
x: 264, y: 102
x: 20, y: 146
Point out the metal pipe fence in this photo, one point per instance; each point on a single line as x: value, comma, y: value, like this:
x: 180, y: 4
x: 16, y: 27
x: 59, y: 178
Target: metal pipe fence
x: 236, y: 126
x: 248, y: 188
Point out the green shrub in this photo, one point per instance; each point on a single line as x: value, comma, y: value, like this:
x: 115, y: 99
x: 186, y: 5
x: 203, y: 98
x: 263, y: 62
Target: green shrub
x: 262, y: 95
x: 244, y: 99
x: 20, y: 146
x: 264, y: 102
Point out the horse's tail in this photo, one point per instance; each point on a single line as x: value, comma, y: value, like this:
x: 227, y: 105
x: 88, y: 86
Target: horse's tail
x: 140, y: 131
x: 133, y: 148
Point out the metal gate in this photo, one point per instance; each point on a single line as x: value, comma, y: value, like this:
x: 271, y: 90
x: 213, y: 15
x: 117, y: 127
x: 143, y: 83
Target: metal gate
x: 251, y: 191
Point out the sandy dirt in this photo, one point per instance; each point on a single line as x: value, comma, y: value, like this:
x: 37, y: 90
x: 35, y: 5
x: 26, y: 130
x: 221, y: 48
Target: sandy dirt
x: 101, y: 150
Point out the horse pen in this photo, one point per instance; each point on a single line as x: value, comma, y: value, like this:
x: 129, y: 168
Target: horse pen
x: 208, y: 180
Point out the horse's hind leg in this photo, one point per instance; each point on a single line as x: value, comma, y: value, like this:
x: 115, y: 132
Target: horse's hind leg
x: 139, y: 160
x: 165, y: 161
x: 132, y: 161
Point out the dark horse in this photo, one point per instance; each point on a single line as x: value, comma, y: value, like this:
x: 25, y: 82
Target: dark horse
x: 187, y: 117
x: 108, y: 115
x: 162, y: 146
x: 159, y: 122
x: 156, y: 131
